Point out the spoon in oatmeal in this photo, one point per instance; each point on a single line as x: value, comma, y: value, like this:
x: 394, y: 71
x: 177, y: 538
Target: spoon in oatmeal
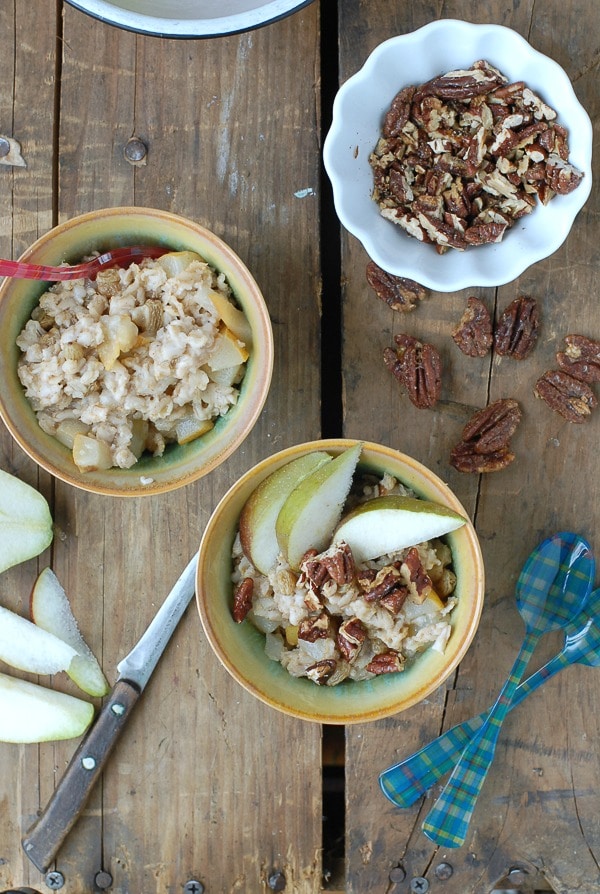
x: 114, y: 257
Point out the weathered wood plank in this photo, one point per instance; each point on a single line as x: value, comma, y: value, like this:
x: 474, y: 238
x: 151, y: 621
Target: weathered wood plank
x: 542, y: 782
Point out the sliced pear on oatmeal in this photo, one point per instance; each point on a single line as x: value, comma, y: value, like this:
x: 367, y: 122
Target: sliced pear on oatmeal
x: 310, y: 514
x: 393, y: 522
x: 259, y: 515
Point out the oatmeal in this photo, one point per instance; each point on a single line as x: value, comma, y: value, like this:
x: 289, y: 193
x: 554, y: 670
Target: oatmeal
x: 135, y: 359
x: 464, y: 156
x: 336, y: 619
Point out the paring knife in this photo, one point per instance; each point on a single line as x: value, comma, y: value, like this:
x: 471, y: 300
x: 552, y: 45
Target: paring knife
x: 44, y: 839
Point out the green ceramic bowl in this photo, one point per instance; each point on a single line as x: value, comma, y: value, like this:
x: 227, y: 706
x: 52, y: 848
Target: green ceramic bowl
x: 180, y: 464
x: 240, y: 647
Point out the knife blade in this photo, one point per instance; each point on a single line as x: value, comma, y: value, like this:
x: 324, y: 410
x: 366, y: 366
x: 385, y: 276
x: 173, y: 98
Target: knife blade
x: 45, y: 837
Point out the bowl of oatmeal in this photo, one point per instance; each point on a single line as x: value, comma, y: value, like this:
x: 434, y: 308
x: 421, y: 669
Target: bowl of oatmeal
x: 459, y: 155
x: 145, y: 378
x: 333, y: 639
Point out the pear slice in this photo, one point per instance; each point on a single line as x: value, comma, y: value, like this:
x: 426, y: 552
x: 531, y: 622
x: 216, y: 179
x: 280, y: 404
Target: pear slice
x: 32, y: 713
x: 235, y: 319
x: 26, y: 646
x: 259, y: 515
x: 393, y: 522
x: 25, y: 522
x: 430, y: 605
x: 309, y: 515
x: 51, y: 611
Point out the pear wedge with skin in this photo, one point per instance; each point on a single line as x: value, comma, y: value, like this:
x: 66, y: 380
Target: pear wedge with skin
x: 51, y: 611
x: 259, y: 515
x: 393, y: 522
x: 32, y: 713
x: 27, y: 647
x: 25, y: 521
x: 311, y: 512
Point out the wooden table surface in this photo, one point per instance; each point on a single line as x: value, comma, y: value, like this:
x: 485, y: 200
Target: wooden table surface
x: 207, y: 783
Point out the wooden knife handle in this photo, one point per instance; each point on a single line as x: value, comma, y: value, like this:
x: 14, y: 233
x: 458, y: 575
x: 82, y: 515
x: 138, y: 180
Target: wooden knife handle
x: 44, y: 839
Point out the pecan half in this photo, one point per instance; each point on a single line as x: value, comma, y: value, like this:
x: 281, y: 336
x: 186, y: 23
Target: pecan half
x: 350, y: 638
x: 311, y: 629
x: 473, y: 335
x: 339, y: 563
x: 398, y: 292
x: 418, y: 576
x: 385, y: 663
x: 581, y: 358
x: 242, y: 599
x: 571, y: 397
x: 517, y: 328
x: 465, y: 459
x: 321, y: 671
x: 417, y: 365
x: 491, y: 428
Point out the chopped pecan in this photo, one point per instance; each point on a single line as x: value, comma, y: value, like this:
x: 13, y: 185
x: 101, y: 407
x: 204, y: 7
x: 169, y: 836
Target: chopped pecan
x: 395, y: 599
x: 473, y: 335
x: 581, y: 358
x: 312, y: 570
x: 398, y: 113
x: 242, y: 599
x: 491, y: 428
x: 485, y: 233
x: 397, y: 291
x: 386, y: 580
x: 562, y: 177
x: 517, y: 329
x: 311, y: 629
x: 385, y: 663
x: 571, y: 397
x: 465, y: 459
x: 339, y: 563
x: 350, y: 638
x: 418, y: 576
x: 321, y: 671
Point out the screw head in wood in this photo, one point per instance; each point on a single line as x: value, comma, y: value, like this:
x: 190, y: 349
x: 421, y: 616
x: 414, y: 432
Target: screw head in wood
x: 135, y: 150
x: 103, y: 880
x: 276, y: 881
x: 54, y: 879
x: 419, y: 885
x: 193, y: 887
x: 443, y: 871
x: 4, y: 147
x: 397, y: 874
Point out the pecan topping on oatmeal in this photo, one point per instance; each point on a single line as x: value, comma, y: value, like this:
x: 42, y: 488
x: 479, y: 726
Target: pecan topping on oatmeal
x: 581, y: 358
x: 397, y: 291
x: 312, y: 629
x: 385, y: 582
x: 418, y: 575
x: 517, y: 328
x: 321, y: 671
x: 464, y: 156
x: 242, y: 599
x: 418, y: 367
x: 350, y: 638
x: 569, y: 396
x: 385, y: 663
x: 485, y: 442
x: 473, y: 335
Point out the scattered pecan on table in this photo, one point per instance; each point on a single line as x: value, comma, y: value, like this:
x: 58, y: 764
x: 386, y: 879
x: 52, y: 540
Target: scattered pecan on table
x: 571, y: 397
x: 464, y: 156
x: 517, y: 329
x: 473, y: 335
x: 398, y: 292
x: 581, y: 358
x: 417, y: 366
x: 485, y: 442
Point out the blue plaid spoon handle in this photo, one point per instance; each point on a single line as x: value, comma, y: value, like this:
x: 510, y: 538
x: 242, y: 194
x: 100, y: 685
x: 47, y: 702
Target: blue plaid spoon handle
x: 407, y: 781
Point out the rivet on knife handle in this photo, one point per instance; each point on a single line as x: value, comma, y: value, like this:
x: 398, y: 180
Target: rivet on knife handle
x: 45, y: 837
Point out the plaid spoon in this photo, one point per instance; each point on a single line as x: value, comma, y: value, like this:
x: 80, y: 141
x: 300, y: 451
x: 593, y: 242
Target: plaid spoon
x: 406, y: 782
x: 552, y: 587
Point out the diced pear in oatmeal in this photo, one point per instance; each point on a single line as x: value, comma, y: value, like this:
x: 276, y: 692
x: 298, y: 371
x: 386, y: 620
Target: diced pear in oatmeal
x: 28, y: 647
x: 227, y: 350
x: 235, y: 320
x: 313, y: 509
x: 32, y: 713
x: 51, y: 611
x: 25, y: 522
x: 259, y: 515
x: 175, y: 262
x: 120, y: 335
x: 393, y: 522
x: 90, y: 454
x: 189, y: 428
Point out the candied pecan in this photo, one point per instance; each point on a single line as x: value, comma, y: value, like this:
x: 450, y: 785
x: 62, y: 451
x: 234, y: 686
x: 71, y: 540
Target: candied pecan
x: 321, y: 671
x: 417, y: 365
x: 562, y: 177
x: 571, y: 397
x: 314, y: 572
x: 311, y: 629
x: 581, y: 358
x: 398, y: 113
x: 463, y: 84
x: 339, y: 563
x: 465, y: 459
x: 517, y: 329
x: 491, y: 428
x: 350, y: 637
x: 484, y: 234
x: 473, y: 335
x: 397, y: 291
x: 385, y: 663
x: 386, y: 580
x: 395, y: 599
x: 365, y: 577
x: 242, y: 599
x: 418, y: 575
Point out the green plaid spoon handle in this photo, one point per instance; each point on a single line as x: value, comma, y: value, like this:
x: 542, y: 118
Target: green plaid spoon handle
x: 551, y: 590
x: 405, y: 782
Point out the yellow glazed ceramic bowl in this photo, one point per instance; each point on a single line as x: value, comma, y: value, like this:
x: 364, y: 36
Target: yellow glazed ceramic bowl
x: 180, y: 464
x: 240, y: 647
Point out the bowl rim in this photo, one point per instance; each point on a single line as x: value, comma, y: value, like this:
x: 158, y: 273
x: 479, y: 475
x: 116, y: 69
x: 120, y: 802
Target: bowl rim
x: 275, y: 693
x: 51, y: 248
x: 347, y: 145
x: 185, y: 27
